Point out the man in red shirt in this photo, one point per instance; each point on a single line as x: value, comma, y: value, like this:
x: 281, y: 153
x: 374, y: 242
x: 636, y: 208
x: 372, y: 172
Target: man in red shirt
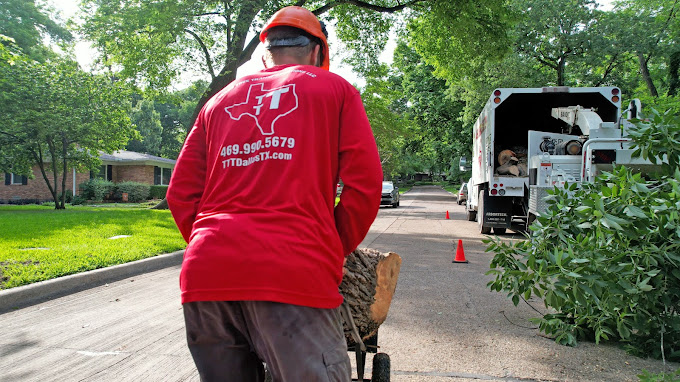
x: 253, y: 194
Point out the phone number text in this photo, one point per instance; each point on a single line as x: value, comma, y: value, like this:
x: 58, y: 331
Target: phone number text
x: 250, y: 148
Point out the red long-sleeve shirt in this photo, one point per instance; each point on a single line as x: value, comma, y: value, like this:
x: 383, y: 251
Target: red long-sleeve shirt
x: 253, y: 190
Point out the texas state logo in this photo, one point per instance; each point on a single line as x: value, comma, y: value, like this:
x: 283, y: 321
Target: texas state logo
x: 265, y: 106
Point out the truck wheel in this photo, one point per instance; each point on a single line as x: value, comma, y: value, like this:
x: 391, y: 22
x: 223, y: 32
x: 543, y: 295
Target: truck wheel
x: 498, y: 230
x: 480, y: 215
x: 381, y: 368
x: 470, y: 214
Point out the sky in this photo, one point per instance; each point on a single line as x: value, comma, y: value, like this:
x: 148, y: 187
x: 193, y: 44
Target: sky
x: 85, y: 53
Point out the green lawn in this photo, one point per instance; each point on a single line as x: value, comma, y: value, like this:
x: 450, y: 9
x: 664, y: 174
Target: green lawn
x: 452, y: 188
x: 39, y: 243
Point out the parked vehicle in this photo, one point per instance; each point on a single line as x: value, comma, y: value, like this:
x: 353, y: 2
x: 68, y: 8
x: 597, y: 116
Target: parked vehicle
x: 390, y: 194
x: 338, y: 189
x: 462, y: 193
x: 527, y: 141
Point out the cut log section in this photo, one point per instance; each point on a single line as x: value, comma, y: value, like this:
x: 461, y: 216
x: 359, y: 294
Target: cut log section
x: 511, y: 163
x: 368, y: 285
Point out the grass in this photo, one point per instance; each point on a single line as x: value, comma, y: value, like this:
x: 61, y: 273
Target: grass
x: 39, y: 243
x: 452, y: 188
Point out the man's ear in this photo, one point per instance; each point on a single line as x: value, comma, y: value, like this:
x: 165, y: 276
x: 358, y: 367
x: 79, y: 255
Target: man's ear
x: 264, y: 62
x: 315, y: 58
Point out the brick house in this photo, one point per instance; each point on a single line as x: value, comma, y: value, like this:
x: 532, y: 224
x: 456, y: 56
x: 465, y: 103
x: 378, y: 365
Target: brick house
x: 121, y: 166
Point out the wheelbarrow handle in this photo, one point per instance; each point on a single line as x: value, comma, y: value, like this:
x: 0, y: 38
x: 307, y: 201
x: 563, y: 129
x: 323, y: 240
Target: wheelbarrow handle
x: 347, y: 316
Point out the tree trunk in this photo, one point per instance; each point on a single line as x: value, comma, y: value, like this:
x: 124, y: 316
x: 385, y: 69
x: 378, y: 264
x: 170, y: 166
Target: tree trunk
x: 674, y: 73
x: 644, y: 70
x: 61, y: 203
x: 561, y: 66
x: 223, y: 79
x: 162, y: 205
x: 368, y: 285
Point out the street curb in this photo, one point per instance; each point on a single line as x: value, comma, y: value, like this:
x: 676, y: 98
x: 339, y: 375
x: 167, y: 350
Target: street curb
x: 27, y: 295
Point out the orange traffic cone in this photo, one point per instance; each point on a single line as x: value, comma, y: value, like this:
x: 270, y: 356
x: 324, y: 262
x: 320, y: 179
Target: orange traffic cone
x: 447, y: 214
x: 460, y: 253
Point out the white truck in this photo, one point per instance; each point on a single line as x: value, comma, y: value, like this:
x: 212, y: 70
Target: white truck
x: 528, y: 140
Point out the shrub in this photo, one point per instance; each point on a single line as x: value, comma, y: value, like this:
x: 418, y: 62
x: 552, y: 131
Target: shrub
x: 646, y: 376
x: 78, y: 199
x: 69, y: 196
x: 158, y: 192
x: 136, y: 191
x: 21, y: 202
x: 605, y: 256
x: 97, y: 189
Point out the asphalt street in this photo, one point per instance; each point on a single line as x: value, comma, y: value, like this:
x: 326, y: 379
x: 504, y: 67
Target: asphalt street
x: 444, y: 324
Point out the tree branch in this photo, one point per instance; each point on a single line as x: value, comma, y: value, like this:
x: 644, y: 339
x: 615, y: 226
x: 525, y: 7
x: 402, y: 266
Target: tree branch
x: 658, y: 40
x: 12, y: 136
x: 538, y: 57
x: 609, y: 69
x: 242, y: 25
x: 205, y: 51
x: 545, y: 62
x: 40, y: 159
x: 227, y: 18
x: 59, y: 204
x: 207, y: 14
x: 248, y: 50
x: 365, y: 5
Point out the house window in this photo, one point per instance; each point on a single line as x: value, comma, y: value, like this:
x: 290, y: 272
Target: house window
x: 161, y: 176
x: 102, y: 172
x: 14, y: 179
x: 105, y: 172
x: 17, y: 179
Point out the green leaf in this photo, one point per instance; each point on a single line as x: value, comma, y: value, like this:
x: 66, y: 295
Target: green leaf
x: 560, y: 293
x: 585, y: 210
x: 623, y: 330
x: 635, y: 211
x: 612, y: 221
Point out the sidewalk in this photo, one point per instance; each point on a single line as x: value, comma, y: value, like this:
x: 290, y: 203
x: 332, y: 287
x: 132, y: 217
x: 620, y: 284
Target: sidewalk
x: 128, y: 330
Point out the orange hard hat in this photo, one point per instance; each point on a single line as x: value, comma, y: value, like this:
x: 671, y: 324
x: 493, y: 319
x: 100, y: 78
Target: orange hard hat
x: 300, y: 18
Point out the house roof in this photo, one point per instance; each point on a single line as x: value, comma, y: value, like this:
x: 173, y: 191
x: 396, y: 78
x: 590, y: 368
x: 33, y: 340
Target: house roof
x: 130, y: 157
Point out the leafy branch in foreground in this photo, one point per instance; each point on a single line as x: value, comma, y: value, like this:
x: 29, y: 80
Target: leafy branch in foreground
x: 605, y: 257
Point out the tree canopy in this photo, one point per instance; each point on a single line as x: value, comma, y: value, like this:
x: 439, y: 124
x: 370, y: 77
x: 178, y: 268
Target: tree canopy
x: 153, y: 42
x: 451, y: 55
x: 28, y: 22
x: 57, y: 117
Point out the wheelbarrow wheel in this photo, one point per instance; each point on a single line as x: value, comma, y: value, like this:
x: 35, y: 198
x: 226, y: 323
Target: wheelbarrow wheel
x: 381, y: 368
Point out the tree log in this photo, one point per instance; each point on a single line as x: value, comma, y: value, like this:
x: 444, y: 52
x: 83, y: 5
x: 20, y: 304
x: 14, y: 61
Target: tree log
x: 368, y: 285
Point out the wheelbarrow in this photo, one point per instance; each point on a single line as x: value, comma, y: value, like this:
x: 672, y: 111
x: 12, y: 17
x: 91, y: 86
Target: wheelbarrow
x: 369, y: 282
x: 381, y: 361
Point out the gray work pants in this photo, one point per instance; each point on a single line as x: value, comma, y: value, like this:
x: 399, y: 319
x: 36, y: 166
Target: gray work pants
x: 229, y: 340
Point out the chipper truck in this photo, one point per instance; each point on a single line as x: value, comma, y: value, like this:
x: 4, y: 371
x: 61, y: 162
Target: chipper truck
x: 529, y: 140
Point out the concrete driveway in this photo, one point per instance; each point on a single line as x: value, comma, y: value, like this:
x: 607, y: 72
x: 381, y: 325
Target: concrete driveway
x: 443, y: 324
